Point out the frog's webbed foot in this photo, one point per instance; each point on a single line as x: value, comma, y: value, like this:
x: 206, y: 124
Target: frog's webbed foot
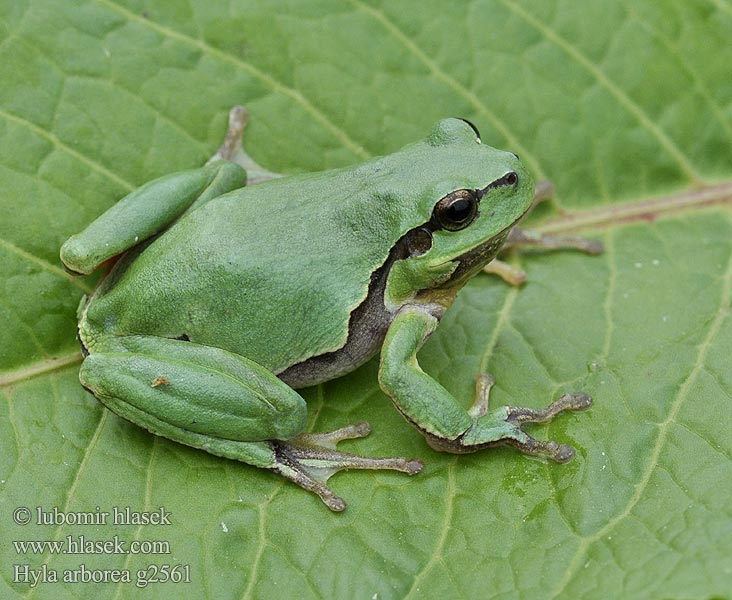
x: 503, y: 426
x: 310, y: 459
x: 233, y: 150
x: 526, y: 238
x: 528, y: 445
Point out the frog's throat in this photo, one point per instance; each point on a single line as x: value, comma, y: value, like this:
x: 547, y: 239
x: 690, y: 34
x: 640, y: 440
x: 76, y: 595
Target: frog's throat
x: 472, y: 261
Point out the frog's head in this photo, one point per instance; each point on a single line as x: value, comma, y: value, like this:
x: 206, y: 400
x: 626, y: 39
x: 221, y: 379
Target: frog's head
x: 470, y: 198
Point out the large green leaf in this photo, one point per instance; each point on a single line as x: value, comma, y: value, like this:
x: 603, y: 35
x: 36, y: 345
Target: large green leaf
x: 626, y: 106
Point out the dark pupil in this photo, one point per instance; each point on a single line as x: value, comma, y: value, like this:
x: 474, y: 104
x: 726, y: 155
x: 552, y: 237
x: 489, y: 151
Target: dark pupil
x: 459, y: 210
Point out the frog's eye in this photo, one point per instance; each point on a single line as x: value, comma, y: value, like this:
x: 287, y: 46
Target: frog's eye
x: 456, y: 210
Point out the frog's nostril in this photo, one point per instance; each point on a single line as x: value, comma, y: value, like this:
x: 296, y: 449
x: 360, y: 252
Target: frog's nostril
x: 516, y: 155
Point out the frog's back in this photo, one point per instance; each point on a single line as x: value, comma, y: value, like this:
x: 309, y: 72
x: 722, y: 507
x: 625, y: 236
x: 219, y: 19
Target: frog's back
x: 271, y: 272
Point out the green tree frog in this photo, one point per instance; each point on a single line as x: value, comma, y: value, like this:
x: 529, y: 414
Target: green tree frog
x: 227, y: 298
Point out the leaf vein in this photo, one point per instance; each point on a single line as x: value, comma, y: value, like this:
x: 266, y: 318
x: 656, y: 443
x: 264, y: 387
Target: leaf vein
x: 145, y: 507
x: 692, y: 74
x: 50, y: 137
x: 261, y: 545
x: 640, y: 210
x: 616, y: 91
x: 533, y: 351
x: 452, y: 83
x: 44, y: 264
x: 13, y: 425
x: 508, y: 301
x: 40, y: 368
x: 72, y: 488
x: 717, y: 450
x: 339, y: 133
x: 437, y: 555
x: 663, y: 427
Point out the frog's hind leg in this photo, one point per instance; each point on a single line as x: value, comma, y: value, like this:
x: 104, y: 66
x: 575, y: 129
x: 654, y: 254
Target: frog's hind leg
x: 233, y: 149
x: 310, y: 459
x: 147, y: 211
x: 223, y: 403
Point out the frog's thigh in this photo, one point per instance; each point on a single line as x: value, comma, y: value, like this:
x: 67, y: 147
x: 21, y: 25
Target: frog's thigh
x: 198, y: 395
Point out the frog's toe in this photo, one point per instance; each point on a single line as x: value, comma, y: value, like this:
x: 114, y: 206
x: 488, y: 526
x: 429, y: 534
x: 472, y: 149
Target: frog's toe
x: 573, y: 401
x: 311, y: 459
x: 329, y: 439
x: 560, y: 453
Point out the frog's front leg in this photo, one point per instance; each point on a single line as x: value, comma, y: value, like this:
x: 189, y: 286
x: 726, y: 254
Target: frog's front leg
x: 445, y: 424
x: 225, y: 404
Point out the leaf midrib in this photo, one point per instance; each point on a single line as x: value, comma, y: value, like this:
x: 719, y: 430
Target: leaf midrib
x: 650, y: 209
